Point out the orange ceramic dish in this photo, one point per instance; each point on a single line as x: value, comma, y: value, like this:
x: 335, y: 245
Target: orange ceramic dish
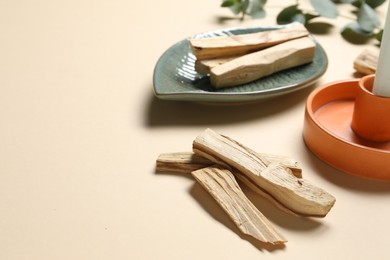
x: 328, y: 134
x: 371, y: 118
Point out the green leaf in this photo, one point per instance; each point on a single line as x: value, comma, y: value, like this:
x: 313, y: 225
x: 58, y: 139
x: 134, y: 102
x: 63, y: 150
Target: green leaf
x: 308, y: 16
x: 375, y: 3
x: 367, y: 18
x: 300, y: 18
x: 354, y: 34
x: 244, y: 4
x: 347, y: 1
x: 287, y: 14
x: 256, y: 8
x: 379, y: 35
x: 355, y: 28
x: 234, y: 5
x: 325, y: 8
x: 237, y: 8
x: 228, y: 3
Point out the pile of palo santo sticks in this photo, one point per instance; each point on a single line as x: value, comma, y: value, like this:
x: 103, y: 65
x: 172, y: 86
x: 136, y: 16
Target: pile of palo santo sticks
x: 216, y: 162
x: 239, y: 59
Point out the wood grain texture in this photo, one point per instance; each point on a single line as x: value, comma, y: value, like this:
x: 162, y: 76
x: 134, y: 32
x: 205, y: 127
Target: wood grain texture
x: 234, y: 45
x: 367, y: 61
x: 296, y: 194
x: 256, y: 65
x: 186, y: 162
x: 223, y: 187
x: 181, y: 162
x: 204, y: 67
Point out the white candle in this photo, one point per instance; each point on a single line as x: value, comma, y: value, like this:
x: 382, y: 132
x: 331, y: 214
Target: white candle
x: 382, y: 76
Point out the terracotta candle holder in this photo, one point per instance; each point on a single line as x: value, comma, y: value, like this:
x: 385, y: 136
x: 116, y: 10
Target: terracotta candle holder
x: 371, y: 116
x: 348, y: 127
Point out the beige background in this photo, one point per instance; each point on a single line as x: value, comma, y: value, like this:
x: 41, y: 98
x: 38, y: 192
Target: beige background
x: 80, y: 131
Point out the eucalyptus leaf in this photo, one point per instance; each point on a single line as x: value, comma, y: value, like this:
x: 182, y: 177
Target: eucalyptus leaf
x: 236, y: 8
x: 300, y: 18
x: 228, y: 3
x: 347, y: 1
x: 287, y: 14
x: 356, y: 29
x: 308, y: 17
x: 245, y: 5
x: 358, y: 3
x: 325, y: 8
x: 257, y: 13
x: 379, y: 35
x: 374, y: 3
x: 256, y: 8
x: 367, y: 18
x: 234, y: 5
x: 367, y: 23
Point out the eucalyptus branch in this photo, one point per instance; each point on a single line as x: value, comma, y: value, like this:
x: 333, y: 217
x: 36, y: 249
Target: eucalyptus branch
x: 366, y: 24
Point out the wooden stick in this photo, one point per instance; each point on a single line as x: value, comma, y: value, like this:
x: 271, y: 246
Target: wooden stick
x: 222, y: 186
x: 249, y: 183
x: 226, y: 46
x: 296, y: 194
x: 262, y: 63
x: 204, y: 67
x: 181, y: 162
x: 367, y: 61
x: 267, y: 159
x: 256, y: 188
x: 186, y: 162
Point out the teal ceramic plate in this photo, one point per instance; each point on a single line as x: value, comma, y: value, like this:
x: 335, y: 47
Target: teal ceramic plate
x: 176, y: 79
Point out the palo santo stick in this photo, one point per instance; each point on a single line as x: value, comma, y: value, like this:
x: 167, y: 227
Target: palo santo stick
x: 254, y: 187
x: 234, y: 45
x: 248, y: 182
x: 262, y: 63
x: 367, y: 61
x: 296, y: 194
x: 222, y: 186
x: 267, y: 159
x: 181, y: 162
x: 204, y: 67
x: 186, y: 162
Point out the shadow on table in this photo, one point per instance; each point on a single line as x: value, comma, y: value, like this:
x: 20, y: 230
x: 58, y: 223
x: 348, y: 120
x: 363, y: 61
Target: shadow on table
x: 281, y: 219
x: 167, y: 113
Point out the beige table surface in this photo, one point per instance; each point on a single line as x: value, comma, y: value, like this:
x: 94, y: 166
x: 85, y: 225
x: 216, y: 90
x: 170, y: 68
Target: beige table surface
x: 81, y: 130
